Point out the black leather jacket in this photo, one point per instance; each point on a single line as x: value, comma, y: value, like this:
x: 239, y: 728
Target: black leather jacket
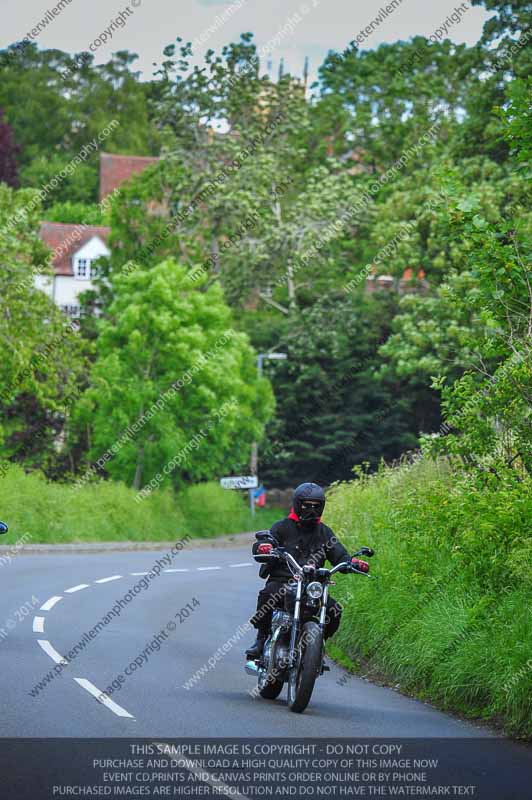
x: 313, y: 545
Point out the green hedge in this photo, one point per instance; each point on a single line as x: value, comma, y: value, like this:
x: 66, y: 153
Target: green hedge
x: 450, y: 616
x: 104, y: 511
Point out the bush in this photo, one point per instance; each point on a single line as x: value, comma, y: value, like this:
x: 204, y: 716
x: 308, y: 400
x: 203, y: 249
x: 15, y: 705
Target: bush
x: 107, y: 511
x: 208, y: 509
x: 449, y: 617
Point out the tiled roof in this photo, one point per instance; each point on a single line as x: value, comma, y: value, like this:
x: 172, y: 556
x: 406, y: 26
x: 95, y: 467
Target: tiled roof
x: 66, y: 239
x: 115, y: 169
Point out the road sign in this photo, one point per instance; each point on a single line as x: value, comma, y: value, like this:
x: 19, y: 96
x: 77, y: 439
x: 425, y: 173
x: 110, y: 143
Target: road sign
x: 241, y: 482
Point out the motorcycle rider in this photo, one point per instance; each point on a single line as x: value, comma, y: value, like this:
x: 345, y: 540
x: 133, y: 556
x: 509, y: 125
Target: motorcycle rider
x: 311, y: 543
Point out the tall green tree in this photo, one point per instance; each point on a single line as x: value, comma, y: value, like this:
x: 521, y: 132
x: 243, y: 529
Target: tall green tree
x: 42, y: 354
x: 377, y: 103
x: 8, y: 153
x: 488, y: 408
x: 57, y: 104
x: 175, y: 395
x: 334, y: 410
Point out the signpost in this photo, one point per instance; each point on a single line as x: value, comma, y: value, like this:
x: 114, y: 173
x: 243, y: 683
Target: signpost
x: 251, y: 482
x: 240, y: 482
x: 254, y: 462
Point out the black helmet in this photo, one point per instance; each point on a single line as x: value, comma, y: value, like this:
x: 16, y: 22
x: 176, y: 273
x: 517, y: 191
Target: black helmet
x: 309, y: 502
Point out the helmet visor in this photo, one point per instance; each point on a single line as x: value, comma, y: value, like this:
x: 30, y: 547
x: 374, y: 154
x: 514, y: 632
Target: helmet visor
x: 311, y: 509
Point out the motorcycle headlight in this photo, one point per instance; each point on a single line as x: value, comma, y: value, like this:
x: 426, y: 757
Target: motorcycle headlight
x: 315, y: 590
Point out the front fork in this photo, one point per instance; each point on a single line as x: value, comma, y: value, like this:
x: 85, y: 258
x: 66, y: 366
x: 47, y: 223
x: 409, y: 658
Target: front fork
x: 323, y: 612
x: 323, y: 616
x: 296, y: 624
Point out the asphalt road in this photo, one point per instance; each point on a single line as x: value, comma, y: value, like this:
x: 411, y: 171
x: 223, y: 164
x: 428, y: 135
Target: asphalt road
x: 219, y: 587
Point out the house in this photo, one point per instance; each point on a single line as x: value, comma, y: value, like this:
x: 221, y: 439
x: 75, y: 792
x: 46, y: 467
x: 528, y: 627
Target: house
x: 115, y: 170
x: 410, y: 283
x: 75, y: 249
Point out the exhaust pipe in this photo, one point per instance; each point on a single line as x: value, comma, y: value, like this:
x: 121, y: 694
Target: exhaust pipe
x: 251, y: 667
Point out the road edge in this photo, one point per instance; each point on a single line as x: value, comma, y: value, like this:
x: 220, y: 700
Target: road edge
x: 226, y: 541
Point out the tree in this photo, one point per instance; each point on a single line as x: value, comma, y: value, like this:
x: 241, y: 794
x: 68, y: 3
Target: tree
x: 335, y: 411
x: 380, y: 102
x: 487, y: 409
x: 58, y: 104
x: 174, y: 395
x: 8, y: 153
x: 42, y: 355
x: 435, y: 335
x: 243, y: 206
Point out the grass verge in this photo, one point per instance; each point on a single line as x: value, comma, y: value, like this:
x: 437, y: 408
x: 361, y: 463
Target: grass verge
x: 45, y: 512
x: 449, y: 617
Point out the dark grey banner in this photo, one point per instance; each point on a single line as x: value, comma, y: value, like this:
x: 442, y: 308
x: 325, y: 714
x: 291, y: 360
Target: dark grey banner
x: 481, y: 768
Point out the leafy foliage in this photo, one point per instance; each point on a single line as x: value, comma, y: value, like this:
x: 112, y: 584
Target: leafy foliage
x: 411, y: 159
x: 439, y: 540
x: 58, y: 104
x: 167, y: 355
x: 42, y: 355
x: 8, y: 153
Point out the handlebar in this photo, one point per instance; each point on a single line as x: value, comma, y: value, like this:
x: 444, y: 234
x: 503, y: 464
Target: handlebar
x: 297, y: 569
x: 279, y: 552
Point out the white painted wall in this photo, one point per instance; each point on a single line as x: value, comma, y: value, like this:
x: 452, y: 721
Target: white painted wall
x: 65, y: 289
x: 90, y: 251
x: 44, y: 283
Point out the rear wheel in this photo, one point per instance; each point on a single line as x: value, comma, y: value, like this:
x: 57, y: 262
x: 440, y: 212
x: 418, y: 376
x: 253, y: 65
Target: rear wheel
x: 303, y: 675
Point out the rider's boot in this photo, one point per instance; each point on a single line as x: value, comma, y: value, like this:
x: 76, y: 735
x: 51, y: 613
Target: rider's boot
x: 255, y: 651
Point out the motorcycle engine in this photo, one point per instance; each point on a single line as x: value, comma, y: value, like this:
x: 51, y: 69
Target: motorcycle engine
x: 281, y: 619
x: 282, y: 654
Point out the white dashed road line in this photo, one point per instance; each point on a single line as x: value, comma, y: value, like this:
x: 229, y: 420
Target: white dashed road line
x: 52, y: 652
x: 50, y: 603
x: 38, y: 624
x: 104, y: 699
x: 38, y: 627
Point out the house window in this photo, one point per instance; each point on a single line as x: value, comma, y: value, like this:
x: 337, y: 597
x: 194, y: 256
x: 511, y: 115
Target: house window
x: 83, y: 267
x: 71, y: 311
x: 86, y: 268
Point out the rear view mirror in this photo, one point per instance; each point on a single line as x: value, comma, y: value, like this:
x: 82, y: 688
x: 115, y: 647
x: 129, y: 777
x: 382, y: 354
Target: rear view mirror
x: 265, y: 536
x: 3, y: 528
x: 366, y: 551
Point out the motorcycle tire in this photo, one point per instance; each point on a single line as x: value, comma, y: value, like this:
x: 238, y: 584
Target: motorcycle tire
x: 271, y: 689
x: 303, y: 675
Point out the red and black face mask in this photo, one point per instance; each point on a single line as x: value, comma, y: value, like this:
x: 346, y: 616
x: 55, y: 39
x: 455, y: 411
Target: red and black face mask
x: 307, y: 516
x: 310, y: 510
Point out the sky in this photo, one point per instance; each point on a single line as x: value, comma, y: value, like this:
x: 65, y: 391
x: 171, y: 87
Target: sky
x: 292, y: 29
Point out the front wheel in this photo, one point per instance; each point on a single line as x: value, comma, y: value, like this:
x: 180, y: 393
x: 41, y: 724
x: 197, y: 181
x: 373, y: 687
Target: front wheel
x: 271, y: 688
x: 303, y: 675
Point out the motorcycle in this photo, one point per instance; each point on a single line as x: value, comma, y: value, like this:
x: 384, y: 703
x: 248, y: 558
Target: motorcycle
x: 293, y: 652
